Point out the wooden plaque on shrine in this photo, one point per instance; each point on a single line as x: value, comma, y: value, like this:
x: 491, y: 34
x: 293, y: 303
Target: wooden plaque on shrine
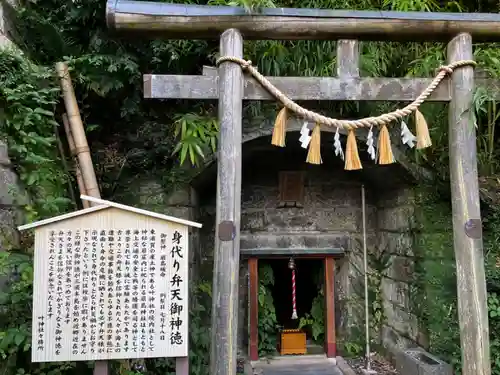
x: 110, y: 282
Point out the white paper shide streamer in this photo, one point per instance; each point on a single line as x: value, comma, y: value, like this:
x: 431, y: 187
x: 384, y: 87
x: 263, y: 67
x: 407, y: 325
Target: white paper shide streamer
x: 337, y: 145
x: 370, y: 143
x: 305, y: 138
x: 407, y: 136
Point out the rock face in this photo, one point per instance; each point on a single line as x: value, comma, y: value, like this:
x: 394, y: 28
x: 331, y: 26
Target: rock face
x: 6, y: 27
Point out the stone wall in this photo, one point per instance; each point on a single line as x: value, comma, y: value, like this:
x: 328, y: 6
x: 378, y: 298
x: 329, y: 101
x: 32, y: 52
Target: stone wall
x: 331, y: 214
x: 396, y: 221
x: 9, y: 200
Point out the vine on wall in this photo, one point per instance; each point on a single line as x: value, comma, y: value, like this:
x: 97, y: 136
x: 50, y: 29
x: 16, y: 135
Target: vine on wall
x: 378, y: 264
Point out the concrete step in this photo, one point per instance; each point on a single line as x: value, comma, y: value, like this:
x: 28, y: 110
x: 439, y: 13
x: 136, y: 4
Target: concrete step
x: 297, y: 365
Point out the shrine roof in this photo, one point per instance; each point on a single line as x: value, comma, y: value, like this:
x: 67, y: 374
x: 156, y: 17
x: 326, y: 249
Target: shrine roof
x: 103, y: 204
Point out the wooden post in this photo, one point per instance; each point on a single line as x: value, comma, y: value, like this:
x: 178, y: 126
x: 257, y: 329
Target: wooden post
x: 182, y: 366
x: 330, y: 339
x: 347, y: 59
x: 227, y: 233
x: 347, y: 68
x: 467, y: 230
x: 253, y: 293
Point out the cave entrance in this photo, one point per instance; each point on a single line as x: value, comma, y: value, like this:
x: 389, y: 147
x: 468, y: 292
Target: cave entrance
x: 272, y: 328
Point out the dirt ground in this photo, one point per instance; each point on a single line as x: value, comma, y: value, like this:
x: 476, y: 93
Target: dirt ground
x: 379, y: 364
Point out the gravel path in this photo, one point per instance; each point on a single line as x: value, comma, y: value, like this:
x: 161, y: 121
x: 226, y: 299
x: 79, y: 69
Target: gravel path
x: 378, y: 363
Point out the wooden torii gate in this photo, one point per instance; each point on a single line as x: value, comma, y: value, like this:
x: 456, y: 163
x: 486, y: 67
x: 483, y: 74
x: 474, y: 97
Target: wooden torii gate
x: 231, y: 87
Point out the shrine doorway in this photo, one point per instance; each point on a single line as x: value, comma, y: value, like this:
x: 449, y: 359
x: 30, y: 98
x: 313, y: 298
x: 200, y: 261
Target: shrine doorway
x: 309, y: 267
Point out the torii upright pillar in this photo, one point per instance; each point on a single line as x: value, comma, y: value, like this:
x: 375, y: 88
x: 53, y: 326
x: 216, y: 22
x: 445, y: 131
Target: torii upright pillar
x: 467, y: 231
x: 227, y: 233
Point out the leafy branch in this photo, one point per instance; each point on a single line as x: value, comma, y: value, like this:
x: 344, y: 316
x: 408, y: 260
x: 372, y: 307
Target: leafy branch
x: 197, y: 133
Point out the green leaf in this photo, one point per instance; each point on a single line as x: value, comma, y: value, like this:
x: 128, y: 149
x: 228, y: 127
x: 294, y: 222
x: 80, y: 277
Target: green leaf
x: 44, y: 112
x: 19, y: 338
x: 184, y: 152
x: 32, y: 178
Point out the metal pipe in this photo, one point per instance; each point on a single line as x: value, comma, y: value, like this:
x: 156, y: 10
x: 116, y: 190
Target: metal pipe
x: 365, y: 266
x: 184, y: 21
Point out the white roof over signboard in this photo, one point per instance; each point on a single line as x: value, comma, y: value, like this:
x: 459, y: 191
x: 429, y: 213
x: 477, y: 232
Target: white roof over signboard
x: 103, y: 204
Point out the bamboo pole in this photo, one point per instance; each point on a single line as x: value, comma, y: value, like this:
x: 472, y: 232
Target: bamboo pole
x: 72, y: 150
x: 82, y: 150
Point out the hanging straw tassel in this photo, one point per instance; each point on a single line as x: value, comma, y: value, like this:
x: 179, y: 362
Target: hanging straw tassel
x: 314, y: 154
x: 385, y: 155
x: 352, y: 161
x: 423, y: 137
x: 279, y: 130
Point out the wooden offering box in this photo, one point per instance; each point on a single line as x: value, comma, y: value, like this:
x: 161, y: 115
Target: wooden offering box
x: 293, y: 341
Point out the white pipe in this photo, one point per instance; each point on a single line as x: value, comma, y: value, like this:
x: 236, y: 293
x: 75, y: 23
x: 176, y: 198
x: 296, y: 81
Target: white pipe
x: 365, y: 265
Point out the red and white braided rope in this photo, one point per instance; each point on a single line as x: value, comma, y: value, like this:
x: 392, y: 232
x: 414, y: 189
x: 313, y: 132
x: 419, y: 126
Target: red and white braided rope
x: 294, y: 302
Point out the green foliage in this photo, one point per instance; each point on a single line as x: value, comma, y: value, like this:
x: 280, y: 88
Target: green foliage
x: 433, y: 295
x: 352, y: 349
x: 494, y: 314
x: 195, y: 132
x: 492, y: 255
x: 28, y: 96
x: 17, y: 334
x: 318, y: 314
x: 128, y: 135
x: 268, y: 325
x: 199, y: 328
x: 434, y: 298
x: 315, y: 319
x: 379, y: 264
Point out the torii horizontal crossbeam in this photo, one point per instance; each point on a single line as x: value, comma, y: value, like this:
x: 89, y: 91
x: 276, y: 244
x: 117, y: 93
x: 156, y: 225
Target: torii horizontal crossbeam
x: 180, y: 21
x: 158, y: 86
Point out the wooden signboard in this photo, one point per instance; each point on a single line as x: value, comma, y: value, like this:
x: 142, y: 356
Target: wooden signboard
x: 110, y: 282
